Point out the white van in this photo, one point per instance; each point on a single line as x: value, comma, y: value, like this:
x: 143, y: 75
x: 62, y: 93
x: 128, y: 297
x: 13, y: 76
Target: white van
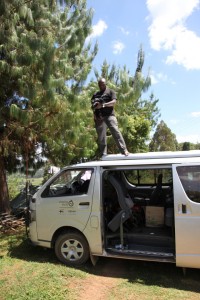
x: 143, y: 207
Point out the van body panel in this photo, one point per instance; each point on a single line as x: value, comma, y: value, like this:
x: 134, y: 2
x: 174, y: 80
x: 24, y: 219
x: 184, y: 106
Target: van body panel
x: 93, y: 229
x: 187, y: 223
x: 58, y: 215
x: 188, y: 261
x: 33, y: 232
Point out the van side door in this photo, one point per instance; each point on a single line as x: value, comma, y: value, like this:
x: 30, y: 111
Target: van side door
x: 186, y: 184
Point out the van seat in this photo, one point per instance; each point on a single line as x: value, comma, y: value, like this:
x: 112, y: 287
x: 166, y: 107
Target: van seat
x: 124, y: 200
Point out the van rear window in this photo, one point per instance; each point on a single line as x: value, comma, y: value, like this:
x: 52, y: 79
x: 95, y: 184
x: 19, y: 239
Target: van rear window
x: 190, y: 179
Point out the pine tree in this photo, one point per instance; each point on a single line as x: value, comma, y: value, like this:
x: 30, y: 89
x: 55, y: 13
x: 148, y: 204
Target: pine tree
x: 163, y: 139
x: 43, y: 63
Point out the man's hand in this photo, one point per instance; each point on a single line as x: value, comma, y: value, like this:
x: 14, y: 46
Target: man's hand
x: 107, y: 104
x: 98, y: 105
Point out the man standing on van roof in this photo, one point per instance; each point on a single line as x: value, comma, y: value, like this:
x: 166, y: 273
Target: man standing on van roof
x: 103, y: 103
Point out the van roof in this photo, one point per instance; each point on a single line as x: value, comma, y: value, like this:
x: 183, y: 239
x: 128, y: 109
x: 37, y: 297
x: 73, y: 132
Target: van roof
x: 153, y: 155
x: 148, y: 158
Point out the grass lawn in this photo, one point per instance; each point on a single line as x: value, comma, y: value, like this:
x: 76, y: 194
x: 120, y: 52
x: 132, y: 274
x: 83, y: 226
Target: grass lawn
x: 28, y: 272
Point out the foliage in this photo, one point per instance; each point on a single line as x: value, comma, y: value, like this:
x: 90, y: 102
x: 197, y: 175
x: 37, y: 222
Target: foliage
x: 47, y: 174
x: 163, y: 139
x: 197, y: 146
x: 43, y: 59
x: 188, y: 146
x: 43, y: 63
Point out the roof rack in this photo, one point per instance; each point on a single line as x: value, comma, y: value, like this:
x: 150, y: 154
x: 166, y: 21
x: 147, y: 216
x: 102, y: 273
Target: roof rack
x: 152, y: 155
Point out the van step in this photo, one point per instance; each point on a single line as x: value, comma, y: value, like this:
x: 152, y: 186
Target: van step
x: 146, y: 253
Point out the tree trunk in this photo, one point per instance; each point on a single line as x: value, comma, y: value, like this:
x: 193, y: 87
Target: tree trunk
x: 4, y: 196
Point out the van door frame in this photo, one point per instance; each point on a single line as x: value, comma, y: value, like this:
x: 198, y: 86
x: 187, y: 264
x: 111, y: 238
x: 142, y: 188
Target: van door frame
x: 187, y: 224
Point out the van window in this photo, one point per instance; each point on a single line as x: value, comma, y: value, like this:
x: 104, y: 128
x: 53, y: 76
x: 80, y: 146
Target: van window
x: 148, y: 176
x: 190, y: 179
x: 69, y: 182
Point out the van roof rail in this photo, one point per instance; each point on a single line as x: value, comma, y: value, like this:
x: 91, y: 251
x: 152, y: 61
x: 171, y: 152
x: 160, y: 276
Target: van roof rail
x: 152, y: 155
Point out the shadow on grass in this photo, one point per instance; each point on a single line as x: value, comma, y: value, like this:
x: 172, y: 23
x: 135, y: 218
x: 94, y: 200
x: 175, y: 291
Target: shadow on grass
x: 26, y: 251
x: 149, y: 273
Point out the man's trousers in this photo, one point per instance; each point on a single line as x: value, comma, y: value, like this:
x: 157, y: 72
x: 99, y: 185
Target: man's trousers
x: 101, y: 125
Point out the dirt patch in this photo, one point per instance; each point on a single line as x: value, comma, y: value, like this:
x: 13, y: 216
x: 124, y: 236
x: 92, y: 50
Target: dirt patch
x: 100, y: 286
x: 94, y: 287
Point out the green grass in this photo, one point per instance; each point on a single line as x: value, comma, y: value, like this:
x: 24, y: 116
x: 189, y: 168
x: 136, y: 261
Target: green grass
x: 28, y: 272
x: 36, y: 181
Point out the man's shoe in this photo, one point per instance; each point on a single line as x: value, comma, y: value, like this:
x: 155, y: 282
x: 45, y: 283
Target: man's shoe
x: 126, y: 153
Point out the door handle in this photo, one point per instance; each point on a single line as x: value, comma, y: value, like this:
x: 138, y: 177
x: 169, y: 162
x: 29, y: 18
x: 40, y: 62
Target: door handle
x: 84, y: 203
x: 184, y: 208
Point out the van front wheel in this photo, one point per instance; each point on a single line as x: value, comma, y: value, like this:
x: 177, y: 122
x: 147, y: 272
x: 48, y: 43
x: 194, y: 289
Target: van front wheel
x: 72, y: 249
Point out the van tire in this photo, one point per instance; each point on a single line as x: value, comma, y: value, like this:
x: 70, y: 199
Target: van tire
x: 72, y: 249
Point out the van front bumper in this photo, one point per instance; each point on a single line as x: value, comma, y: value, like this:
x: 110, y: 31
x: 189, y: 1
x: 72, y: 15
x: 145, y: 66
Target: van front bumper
x: 33, y: 238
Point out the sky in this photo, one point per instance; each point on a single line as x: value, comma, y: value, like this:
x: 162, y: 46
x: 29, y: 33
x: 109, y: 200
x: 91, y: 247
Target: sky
x: 169, y: 33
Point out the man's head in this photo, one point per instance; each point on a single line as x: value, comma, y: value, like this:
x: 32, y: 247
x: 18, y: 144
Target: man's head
x: 102, y: 84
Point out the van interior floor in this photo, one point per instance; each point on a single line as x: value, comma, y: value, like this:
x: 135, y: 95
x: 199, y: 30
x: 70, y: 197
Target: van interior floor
x: 145, y: 241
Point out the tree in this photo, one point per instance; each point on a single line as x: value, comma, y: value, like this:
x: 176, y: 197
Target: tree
x: 186, y: 146
x: 43, y: 60
x: 163, y: 139
x: 196, y: 146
